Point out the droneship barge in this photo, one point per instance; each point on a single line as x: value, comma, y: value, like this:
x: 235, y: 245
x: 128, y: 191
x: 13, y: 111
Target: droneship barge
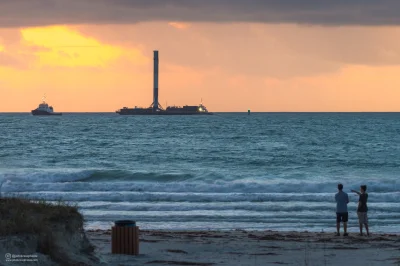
x: 156, y: 109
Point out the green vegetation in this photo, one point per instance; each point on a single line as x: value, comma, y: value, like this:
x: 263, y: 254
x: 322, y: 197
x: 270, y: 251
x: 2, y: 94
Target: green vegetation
x: 57, y: 227
x: 22, y: 216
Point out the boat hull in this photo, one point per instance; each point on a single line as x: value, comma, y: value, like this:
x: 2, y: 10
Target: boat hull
x: 44, y: 113
x: 159, y: 113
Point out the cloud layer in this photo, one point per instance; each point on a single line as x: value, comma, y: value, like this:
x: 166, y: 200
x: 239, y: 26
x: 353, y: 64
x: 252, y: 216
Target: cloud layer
x: 16, y: 13
x: 232, y: 67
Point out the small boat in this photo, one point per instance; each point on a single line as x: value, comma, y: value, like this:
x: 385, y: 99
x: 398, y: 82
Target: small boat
x: 44, y: 109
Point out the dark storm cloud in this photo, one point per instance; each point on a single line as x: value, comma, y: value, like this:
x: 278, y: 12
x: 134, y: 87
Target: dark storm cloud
x: 15, y: 13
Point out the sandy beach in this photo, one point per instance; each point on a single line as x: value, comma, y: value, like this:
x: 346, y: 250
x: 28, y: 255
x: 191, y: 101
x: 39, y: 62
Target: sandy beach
x: 252, y: 248
x: 55, y: 235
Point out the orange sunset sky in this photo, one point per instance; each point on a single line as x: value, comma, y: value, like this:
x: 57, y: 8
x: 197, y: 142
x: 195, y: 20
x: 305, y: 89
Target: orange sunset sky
x: 99, y: 59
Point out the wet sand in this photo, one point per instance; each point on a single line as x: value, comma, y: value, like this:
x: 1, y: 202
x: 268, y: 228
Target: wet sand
x: 252, y: 248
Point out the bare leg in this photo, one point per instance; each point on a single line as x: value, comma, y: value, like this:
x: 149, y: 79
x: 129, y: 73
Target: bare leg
x: 338, y: 228
x: 345, y: 227
x: 366, y: 228
x: 361, y: 227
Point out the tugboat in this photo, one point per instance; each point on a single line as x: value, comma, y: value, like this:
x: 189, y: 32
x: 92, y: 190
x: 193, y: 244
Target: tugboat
x: 44, y: 109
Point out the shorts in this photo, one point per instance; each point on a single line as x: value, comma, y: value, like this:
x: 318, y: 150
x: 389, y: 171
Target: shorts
x: 342, y: 217
x: 362, y: 217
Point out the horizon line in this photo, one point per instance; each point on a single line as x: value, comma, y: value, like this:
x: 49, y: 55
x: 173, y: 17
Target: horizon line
x: 244, y: 112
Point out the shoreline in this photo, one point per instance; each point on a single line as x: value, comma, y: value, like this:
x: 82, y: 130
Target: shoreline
x: 292, y: 233
x: 353, y: 230
x: 240, y: 247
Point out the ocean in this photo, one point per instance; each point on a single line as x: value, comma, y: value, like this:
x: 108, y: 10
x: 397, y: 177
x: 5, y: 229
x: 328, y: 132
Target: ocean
x: 264, y: 171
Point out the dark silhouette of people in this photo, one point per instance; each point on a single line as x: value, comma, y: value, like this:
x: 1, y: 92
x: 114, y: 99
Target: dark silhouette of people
x: 342, y: 215
x: 362, y: 209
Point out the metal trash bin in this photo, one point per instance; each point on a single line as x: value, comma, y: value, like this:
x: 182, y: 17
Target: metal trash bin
x: 125, y: 238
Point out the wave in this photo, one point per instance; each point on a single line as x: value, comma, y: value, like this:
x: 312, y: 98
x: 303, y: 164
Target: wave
x: 43, y: 176
x: 116, y: 180
x: 203, y: 197
x: 118, y: 175
x: 235, y: 206
x: 93, y: 224
x: 275, y: 217
x: 90, y: 175
x: 128, y: 196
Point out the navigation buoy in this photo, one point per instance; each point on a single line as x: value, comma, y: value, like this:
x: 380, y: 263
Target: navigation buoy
x: 248, y: 112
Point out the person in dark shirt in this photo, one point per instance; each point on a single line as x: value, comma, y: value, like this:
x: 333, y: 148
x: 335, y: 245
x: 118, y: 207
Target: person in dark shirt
x: 362, y: 209
x: 342, y: 199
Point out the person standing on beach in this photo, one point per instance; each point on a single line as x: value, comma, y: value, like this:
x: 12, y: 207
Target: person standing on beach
x: 342, y: 215
x: 362, y: 208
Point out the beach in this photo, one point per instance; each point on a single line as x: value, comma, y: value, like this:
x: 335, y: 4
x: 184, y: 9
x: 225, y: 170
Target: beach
x: 239, y: 247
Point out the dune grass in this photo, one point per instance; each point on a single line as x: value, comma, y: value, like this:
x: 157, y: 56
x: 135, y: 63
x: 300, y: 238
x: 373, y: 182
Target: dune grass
x: 22, y: 216
x: 50, y: 223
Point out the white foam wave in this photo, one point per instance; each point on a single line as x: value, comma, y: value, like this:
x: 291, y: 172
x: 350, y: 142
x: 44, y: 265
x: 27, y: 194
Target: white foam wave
x: 40, y: 176
x: 248, y: 225
x: 232, y: 206
x: 67, y: 182
x: 194, y: 197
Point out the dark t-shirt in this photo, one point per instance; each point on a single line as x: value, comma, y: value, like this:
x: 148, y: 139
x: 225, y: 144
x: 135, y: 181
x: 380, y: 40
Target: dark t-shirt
x: 362, y: 207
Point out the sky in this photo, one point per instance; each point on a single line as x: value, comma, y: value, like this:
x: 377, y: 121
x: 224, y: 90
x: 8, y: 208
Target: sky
x: 263, y: 55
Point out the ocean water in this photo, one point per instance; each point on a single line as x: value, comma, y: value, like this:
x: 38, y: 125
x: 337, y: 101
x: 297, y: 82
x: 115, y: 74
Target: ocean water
x: 264, y: 171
